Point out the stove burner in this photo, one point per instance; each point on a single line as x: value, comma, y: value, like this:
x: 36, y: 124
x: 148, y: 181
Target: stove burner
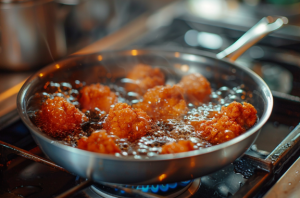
x: 180, y: 189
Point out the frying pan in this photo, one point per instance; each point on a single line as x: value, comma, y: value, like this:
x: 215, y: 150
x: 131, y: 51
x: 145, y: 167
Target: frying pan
x: 110, y: 66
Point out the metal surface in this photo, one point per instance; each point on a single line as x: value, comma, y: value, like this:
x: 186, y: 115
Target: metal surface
x: 252, y: 36
x: 288, y: 184
x: 281, y: 154
x: 191, y: 190
x: 31, y: 35
x: 174, y: 167
x: 77, y: 188
x: 276, y: 161
x: 10, y: 149
x: 8, y: 106
x: 253, y: 185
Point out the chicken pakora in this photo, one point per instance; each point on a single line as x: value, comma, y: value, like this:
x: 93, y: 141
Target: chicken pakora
x: 143, y: 78
x: 59, y: 118
x: 163, y: 102
x: 232, y: 121
x: 125, y: 122
x: 178, y: 147
x: 97, y: 95
x: 99, y: 142
x: 196, y: 88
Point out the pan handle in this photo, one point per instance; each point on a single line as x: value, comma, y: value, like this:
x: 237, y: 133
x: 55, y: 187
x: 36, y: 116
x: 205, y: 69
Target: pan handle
x: 265, y: 26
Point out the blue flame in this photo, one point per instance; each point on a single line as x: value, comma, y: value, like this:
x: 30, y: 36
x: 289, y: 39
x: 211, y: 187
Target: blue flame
x: 184, y: 183
x: 174, y: 185
x: 155, y: 188
x: 139, y: 187
x: 164, y: 187
x: 145, y: 188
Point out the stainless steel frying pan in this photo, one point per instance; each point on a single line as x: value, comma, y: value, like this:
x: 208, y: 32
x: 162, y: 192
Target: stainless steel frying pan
x: 106, y: 66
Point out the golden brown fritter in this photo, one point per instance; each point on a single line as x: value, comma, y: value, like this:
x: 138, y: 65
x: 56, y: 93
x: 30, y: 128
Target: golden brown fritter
x: 228, y: 124
x: 245, y: 115
x: 125, y: 122
x: 196, y: 88
x: 144, y: 77
x: 97, y: 95
x: 59, y: 118
x: 217, y: 131
x: 99, y: 142
x: 163, y: 102
x: 179, y: 147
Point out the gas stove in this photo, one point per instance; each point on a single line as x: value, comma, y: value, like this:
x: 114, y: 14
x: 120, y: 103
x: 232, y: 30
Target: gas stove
x: 26, y: 172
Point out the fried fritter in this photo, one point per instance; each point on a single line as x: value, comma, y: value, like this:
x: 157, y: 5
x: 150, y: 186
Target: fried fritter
x: 163, y: 102
x: 125, y: 122
x: 196, y: 88
x: 217, y: 131
x: 178, y: 147
x: 144, y: 77
x: 228, y: 124
x: 98, y: 142
x: 245, y: 115
x: 97, y: 95
x: 59, y: 118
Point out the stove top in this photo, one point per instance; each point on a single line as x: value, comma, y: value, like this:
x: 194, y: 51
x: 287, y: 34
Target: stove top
x: 25, y: 172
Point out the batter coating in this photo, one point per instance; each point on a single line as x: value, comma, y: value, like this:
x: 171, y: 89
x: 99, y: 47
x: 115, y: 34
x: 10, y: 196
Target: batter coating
x: 125, y: 122
x: 196, y: 88
x: 59, y: 118
x: 179, y: 147
x: 98, y: 142
x: 144, y: 77
x: 245, y: 115
x: 228, y: 124
x: 163, y: 102
x: 97, y: 95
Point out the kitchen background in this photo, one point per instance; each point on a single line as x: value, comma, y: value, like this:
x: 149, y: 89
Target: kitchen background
x: 37, y: 32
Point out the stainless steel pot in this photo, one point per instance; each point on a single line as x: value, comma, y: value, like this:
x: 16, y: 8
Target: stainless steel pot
x: 162, y: 168
x: 31, y: 34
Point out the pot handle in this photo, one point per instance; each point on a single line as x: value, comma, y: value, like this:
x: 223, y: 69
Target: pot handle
x: 265, y: 26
